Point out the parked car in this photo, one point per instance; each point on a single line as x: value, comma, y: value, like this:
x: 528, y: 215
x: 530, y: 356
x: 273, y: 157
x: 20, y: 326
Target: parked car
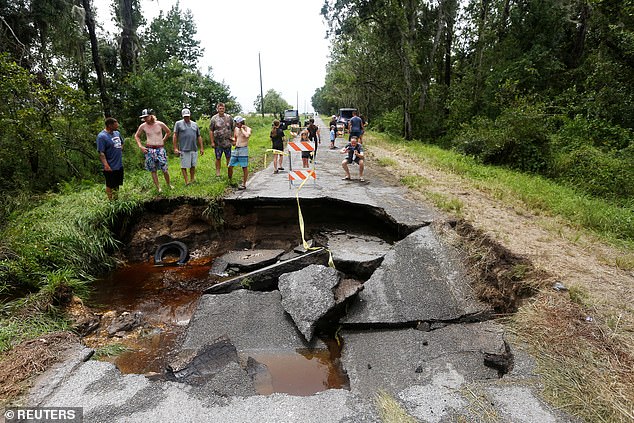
x: 345, y: 114
x: 290, y: 117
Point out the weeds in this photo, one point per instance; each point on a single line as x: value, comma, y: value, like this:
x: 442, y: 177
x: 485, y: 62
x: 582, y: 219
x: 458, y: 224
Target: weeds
x: 585, y: 370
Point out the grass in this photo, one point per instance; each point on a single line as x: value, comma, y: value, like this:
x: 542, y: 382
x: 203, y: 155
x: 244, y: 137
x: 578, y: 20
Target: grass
x: 612, y: 223
x: 585, y: 368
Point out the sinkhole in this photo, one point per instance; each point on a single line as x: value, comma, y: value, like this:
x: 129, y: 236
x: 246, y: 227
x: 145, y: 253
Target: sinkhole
x: 146, y: 306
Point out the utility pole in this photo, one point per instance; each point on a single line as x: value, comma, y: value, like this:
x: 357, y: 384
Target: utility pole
x: 261, y: 90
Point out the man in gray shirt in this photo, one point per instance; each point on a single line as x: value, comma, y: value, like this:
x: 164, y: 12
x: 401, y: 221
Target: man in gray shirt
x: 186, y: 133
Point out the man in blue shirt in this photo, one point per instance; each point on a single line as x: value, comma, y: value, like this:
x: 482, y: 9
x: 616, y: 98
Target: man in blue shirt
x: 355, y: 126
x: 110, y: 148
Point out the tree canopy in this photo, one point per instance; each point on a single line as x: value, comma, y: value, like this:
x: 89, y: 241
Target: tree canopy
x: 541, y: 86
x: 61, y: 78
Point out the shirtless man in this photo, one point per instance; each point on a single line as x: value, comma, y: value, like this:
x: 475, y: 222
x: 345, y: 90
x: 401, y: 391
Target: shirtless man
x: 240, y: 155
x: 154, y: 149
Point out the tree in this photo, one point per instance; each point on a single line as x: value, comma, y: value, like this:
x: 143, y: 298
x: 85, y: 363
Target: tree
x: 273, y: 102
x: 129, y: 18
x: 172, y: 36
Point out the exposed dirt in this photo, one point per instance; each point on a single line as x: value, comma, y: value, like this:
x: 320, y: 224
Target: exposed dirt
x: 30, y: 358
x: 560, y: 252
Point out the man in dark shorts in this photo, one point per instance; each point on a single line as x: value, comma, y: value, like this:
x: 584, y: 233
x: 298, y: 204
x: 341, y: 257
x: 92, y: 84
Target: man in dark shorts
x: 221, y: 135
x: 355, y: 155
x: 110, y: 148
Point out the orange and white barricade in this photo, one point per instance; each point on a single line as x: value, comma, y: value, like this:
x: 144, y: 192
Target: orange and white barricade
x: 300, y: 175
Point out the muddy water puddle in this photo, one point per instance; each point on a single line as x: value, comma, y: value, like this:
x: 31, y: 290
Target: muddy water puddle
x: 166, y: 297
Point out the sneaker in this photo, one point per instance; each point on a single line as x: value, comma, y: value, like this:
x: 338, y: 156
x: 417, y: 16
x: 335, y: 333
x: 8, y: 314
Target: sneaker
x: 276, y: 171
x: 361, y: 180
x: 347, y: 178
x: 241, y: 187
x: 280, y: 168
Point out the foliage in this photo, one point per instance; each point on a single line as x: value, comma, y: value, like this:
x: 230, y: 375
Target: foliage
x: 518, y: 84
x: 517, y: 138
x: 273, y: 103
x: 171, y: 36
x: 43, y: 132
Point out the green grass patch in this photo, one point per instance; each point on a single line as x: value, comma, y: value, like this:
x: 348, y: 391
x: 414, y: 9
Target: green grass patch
x: 15, y: 329
x: 414, y: 181
x: 386, y: 162
x: 445, y: 202
x: 610, y: 221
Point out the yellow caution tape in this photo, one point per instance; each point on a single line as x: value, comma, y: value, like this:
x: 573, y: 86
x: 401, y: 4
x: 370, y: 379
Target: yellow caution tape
x: 307, y: 247
x: 274, y: 152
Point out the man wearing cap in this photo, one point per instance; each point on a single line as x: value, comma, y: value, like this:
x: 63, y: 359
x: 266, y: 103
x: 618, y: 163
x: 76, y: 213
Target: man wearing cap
x: 221, y: 135
x: 154, y: 149
x: 333, y: 121
x: 240, y: 155
x: 186, y: 133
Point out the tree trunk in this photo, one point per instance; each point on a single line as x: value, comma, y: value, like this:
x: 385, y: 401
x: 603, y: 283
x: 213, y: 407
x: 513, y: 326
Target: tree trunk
x: 580, y: 36
x: 440, y: 27
x: 506, y: 10
x: 94, y: 46
x: 128, y: 59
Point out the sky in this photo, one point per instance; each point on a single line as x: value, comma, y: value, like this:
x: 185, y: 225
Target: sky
x: 289, y: 36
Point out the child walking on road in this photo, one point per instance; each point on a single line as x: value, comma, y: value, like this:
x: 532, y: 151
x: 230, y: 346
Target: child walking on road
x: 333, y: 136
x: 303, y: 137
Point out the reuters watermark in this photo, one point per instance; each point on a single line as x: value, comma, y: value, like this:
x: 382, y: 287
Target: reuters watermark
x: 44, y: 414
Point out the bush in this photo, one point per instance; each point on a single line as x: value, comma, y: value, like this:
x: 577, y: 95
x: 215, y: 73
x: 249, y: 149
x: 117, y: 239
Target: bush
x: 518, y: 138
x: 595, y: 172
x: 390, y: 122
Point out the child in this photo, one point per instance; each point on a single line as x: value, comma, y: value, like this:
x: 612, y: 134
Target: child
x: 303, y: 137
x: 333, y: 136
x: 240, y: 155
x: 277, y: 139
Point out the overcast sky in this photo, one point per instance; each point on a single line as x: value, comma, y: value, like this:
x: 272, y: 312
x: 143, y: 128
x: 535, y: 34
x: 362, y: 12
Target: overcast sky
x: 288, y: 34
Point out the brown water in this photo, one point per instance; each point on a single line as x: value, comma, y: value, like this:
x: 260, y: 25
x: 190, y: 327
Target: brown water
x: 302, y: 373
x: 167, y: 297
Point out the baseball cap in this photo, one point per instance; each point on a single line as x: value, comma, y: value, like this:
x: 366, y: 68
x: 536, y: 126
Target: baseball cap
x: 238, y: 119
x: 146, y: 113
x: 186, y: 112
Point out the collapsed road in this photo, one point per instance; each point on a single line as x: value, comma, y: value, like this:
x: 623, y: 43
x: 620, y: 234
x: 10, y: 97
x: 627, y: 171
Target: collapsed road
x: 399, y: 302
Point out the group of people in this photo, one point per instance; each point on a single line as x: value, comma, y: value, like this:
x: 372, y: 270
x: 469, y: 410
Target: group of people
x: 224, y: 132
x: 311, y: 133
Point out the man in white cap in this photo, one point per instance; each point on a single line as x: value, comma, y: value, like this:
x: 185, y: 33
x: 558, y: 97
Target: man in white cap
x: 240, y: 155
x: 154, y: 149
x: 186, y: 134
